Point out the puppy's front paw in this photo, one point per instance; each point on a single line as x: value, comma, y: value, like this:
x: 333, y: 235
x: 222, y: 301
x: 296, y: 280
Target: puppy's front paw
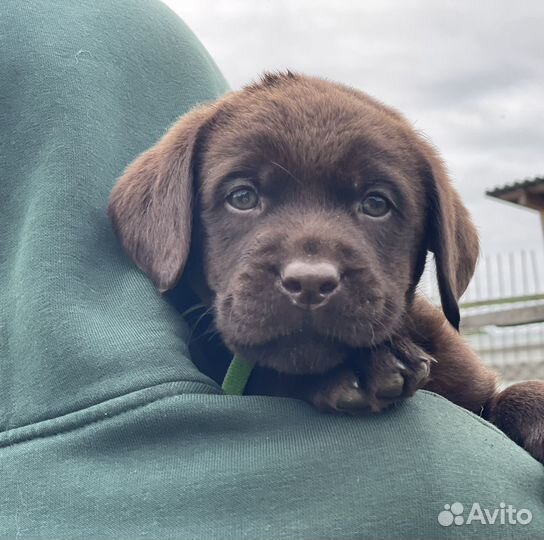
x: 519, y: 411
x: 339, y: 391
x: 374, y: 381
x: 395, y: 371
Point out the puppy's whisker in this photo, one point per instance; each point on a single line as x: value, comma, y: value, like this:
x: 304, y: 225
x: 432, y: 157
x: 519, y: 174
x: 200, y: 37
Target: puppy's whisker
x: 196, y: 307
x: 195, y: 326
x: 211, y: 333
x: 276, y: 164
x: 373, y: 336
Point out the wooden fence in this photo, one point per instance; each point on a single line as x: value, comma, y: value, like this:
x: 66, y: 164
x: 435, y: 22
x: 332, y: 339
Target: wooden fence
x: 503, y: 312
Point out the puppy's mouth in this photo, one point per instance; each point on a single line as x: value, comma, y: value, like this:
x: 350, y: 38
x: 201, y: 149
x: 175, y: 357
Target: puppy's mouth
x: 265, y: 328
x: 302, y: 352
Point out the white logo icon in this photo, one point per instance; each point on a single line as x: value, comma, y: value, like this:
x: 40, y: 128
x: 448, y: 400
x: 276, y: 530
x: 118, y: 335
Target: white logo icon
x: 503, y: 515
x: 451, y: 514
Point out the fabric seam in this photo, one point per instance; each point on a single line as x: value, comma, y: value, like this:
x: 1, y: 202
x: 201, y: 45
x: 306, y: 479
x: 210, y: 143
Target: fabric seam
x: 11, y: 438
x: 16, y: 440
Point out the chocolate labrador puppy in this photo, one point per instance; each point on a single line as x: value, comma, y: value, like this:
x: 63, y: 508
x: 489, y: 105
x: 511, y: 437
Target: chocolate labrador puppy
x: 302, y: 211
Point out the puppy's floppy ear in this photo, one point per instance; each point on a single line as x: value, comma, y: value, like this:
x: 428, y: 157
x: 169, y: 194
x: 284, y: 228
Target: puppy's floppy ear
x: 151, y: 204
x: 452, y: 236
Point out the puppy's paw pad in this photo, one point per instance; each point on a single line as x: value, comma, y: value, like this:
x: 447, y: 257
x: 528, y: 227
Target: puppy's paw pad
x: 340, y: 392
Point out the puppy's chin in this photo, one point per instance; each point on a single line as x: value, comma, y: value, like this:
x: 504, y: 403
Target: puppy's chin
x: 296, y: 354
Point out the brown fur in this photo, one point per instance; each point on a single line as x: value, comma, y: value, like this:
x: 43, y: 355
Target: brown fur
x: 313, y: 151
x: 519, y: 411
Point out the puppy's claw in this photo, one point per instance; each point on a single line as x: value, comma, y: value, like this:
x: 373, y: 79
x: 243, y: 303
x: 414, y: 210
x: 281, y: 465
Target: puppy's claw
x: 392, y: 387
x: 338, y: 392
x: 399, y: 365
x: 351, y: 401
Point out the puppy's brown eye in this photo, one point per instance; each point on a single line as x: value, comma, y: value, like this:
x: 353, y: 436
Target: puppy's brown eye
x: 243, y: 199
x: 375, y: 206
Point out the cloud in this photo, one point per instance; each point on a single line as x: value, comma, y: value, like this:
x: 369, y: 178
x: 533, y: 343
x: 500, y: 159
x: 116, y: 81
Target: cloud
x: 469, y: 75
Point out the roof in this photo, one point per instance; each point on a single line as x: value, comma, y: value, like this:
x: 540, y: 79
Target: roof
x: 522, y: 184
x: 529, y: 192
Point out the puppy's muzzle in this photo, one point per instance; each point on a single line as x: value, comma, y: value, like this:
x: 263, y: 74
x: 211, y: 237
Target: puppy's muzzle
x: 309, y: 285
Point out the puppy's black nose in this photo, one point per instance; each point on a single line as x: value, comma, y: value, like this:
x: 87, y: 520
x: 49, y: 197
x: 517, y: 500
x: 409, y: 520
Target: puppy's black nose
x: 309, y: 284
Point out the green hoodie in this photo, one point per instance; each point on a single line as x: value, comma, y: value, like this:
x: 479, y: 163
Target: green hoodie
x: 107, y: 429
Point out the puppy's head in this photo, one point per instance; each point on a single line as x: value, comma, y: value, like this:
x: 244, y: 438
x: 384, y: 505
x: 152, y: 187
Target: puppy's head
x: 310, y: 208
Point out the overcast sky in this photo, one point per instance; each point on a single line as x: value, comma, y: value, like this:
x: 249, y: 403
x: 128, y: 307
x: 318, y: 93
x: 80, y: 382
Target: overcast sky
x: 470, y: 75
